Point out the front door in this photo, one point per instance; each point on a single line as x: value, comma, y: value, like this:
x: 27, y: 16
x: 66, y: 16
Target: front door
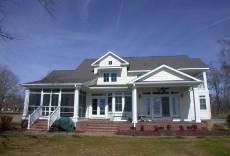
x: 98, y: 107
x: 165, y: 106
x: 146, y: 109
x: 157, y: 107
x: 161, y: 106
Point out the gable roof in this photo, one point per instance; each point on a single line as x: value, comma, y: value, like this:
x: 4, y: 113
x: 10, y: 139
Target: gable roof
x: 107, y: 54
x: 161, y: 67
x: 152, y: 62
x: 84, y: 72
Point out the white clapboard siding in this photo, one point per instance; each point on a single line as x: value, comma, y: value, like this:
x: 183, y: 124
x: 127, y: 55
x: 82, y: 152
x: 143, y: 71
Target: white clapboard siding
x: 105, y: 61
x: 165, y: 75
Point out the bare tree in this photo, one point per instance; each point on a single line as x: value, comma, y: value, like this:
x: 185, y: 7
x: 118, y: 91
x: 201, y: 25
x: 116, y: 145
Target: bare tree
x: 219, y: 77
x: 49, y: 5
x: 214, y: 80
x: 9, y: 85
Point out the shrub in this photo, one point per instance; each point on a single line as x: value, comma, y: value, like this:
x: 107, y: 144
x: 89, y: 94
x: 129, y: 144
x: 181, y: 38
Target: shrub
x: 228, y: 120
x: 156, y: 128
x: 142, y: 128
x: 181, y: 128
x: 168, y: 127
x: 6, y: 122
x: 194, y: 127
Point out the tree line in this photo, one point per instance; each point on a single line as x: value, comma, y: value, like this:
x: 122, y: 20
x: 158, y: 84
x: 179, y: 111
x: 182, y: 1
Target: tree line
x: 219, y: 79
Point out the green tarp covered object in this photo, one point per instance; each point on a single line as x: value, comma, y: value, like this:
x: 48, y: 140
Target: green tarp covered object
x: 65, y: 124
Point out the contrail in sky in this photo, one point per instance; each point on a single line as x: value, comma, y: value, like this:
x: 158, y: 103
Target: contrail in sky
x: 213, y: 24
x: 119, y: 15
x: 205, y: 27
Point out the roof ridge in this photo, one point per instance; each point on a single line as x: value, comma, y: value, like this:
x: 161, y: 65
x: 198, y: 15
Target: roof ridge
x: 157, y: 56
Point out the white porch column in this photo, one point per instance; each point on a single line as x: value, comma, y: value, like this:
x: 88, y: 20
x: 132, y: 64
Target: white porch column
x: 205, y: 81
x: 197, y: 106
x: 26, y: 103
x: 76, y: 104
x: 59, y: 102
x: 134, y: 105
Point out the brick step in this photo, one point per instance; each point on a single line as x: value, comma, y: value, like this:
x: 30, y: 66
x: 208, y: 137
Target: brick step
x: 38, y: 129
x: 39, y: 125
x: 102, y: 127
x: 99, y: 120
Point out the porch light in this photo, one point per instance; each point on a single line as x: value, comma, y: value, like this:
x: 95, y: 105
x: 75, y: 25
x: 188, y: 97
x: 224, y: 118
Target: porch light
x: 182, y: 95
x: 139, y: 96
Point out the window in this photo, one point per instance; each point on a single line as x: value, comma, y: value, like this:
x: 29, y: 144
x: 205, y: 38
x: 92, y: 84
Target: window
x: 110, y: 62
x: 106, y: 77
x: 203, y: 103
x: 128, y: 102
x: 118, y: 103
x: 113, y: 77
x: 110, y: 103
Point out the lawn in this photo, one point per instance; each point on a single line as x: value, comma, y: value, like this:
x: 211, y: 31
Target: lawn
x: 77, y: 144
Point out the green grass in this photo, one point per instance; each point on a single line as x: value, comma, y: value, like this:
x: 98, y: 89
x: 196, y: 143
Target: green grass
x: 74, y: 144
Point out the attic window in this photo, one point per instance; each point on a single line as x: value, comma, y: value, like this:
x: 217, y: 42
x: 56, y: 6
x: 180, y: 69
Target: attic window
x: 110, y: 62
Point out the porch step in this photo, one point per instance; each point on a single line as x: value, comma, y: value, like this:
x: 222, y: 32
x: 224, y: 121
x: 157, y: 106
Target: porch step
x: 39, y: 125
x: 102, y: 127
x: 98, y: 120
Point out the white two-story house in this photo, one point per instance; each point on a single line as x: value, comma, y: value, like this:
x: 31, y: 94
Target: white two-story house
x: 122, y: 89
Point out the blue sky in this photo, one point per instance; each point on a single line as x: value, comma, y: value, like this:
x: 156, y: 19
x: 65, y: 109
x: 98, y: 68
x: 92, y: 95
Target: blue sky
x: 90, y: 28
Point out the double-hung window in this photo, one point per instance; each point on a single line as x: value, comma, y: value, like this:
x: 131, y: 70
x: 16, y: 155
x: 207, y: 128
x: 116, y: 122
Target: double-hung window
x: 203, y: 103
x: 110, y: 102
x: 113, y: 77
x: 128, y: 102
x: 106, y: 77
x: 118, y: 102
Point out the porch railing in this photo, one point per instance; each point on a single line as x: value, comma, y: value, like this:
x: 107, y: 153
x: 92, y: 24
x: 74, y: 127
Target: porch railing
x: 47, y: 110
x: 34, y: 116
x: 53, y: 117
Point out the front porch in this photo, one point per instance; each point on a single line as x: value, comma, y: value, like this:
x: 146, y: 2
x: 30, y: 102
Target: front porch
x: 131, y: 106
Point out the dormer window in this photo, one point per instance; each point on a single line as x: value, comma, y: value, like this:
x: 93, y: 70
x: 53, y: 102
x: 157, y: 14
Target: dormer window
x: 110, y: 62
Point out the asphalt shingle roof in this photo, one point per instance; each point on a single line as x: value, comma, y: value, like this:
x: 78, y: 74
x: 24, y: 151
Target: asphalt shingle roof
x: 84, y: 72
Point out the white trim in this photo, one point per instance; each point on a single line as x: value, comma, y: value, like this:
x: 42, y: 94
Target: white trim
x: 193, y: 68
x: 164, y: 66
x: 109, y: 53
x: 170, y: 82
x: 51, y: 84
x: 109, y: 67
x: 109, y: 87
x: 138, y: 71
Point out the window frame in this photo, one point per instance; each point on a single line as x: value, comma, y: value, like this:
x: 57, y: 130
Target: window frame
x: 203, y: 102
x: 106, y: 77
x: 113, y: 77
